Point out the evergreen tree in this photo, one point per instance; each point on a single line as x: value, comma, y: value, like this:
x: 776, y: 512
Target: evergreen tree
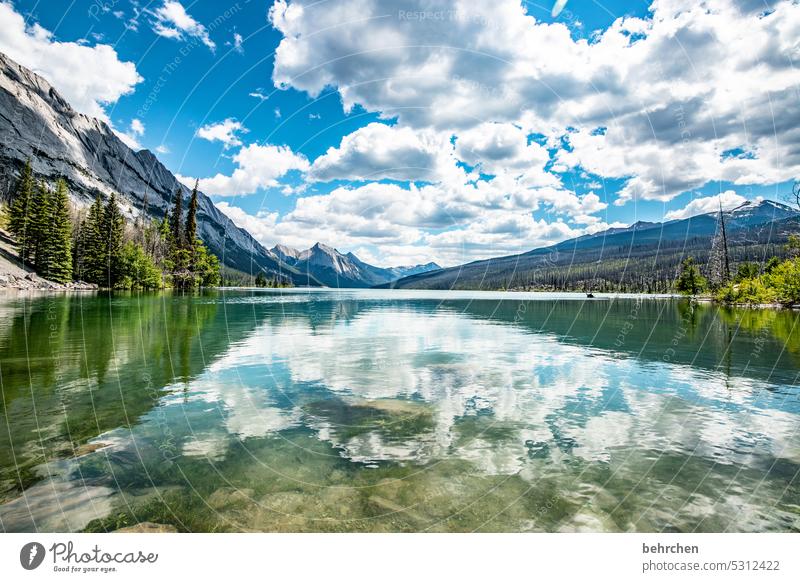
x: 40, y: 221
x: 77, y: 249
x: 57, y: 241
x: 690, y: 281
x: 261, y: 280
x: 19, y: 212
x: 137, y: 269
x: 177, y: 213
x: 112, y: 230
x: 191, y: 225
x: 93, y: 249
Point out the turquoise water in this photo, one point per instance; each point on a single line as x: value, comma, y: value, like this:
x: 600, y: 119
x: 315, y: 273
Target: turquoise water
x: 396, y: 411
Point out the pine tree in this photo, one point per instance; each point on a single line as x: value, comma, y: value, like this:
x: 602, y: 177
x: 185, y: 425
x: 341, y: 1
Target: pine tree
x: 112, y: 231
x: 19, y: 213
x: 58, y: 238
x: 191, y: 226
x: 690, y: 281
x: 40, y: 220
x: 177, y: 214
x: 93, y: 248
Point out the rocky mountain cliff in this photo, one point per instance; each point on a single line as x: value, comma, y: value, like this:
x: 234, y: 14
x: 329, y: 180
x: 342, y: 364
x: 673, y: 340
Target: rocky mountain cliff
x: 334, y: 269
x: 36, y: 123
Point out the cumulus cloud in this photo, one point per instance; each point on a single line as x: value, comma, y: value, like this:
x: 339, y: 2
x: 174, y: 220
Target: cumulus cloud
x: 503, y: 148
x: 378, y: 151
x: 226, y: 132
x: 728, y: 200
x: 448, y: 225
x: 261, y: 226
x: 655, y: 102
x: 89, y: 77
x: 171, y: 20
x: 480, y: 125
x: 257, y: 167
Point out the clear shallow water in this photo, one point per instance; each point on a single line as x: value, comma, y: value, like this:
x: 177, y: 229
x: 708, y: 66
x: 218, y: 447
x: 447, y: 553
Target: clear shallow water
x: 397, y: 411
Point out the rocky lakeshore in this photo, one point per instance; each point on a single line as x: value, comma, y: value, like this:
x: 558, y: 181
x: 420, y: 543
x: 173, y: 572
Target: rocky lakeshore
x: 33, y: 282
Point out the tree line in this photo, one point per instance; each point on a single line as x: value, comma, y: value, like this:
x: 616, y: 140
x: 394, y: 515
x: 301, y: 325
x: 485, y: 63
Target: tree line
x: 63, y: 245
x: 776, y: 280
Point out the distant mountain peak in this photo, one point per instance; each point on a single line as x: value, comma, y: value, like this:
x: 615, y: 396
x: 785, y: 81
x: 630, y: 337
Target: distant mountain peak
x: 335, y: 269
x: 763, y: 204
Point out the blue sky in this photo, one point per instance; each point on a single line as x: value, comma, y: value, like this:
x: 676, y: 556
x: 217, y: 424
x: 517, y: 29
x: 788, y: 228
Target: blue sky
x: 428, y: 130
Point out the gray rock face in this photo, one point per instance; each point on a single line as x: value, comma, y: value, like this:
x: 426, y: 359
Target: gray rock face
x: 36, y: 123
x: 334, y: 269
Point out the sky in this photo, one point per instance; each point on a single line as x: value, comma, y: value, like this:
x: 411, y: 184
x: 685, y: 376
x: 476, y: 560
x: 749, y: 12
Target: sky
x: 409, y: 131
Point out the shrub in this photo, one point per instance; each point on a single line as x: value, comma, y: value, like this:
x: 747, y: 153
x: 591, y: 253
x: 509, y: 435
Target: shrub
x: 753, y: 291
x: 138, y: 271
x: 785, y: 280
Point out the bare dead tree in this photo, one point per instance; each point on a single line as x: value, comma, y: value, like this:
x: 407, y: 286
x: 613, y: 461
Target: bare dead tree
x: 796, y: 193
x: 793, y: 198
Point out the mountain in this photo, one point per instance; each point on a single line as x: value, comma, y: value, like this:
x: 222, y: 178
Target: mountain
x: 333, y: 269
x: 408, y: 270
x: 641, y: 257
x: 37, y: 123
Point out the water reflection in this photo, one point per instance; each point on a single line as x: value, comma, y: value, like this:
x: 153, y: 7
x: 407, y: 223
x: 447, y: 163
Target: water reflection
x: 391, y: 411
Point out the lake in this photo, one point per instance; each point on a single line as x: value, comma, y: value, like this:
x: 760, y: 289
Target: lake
x: 384, y: 411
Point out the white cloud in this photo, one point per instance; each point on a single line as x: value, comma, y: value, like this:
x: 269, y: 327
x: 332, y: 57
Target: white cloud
x: 131, y: 137
x: 257, y: 167
x: 728, y: 199
x: 479, y: 220
x: 137, y: 127
x: 225, y: 132
x: 261, y: 226
x: 238, y: 43
x: 503, y: 148
x: 172, y: 21
x: 378, y: 151
x: 89, y: 77
x: 655, y: 101
x: 663, y: 104
x: 162, y: 149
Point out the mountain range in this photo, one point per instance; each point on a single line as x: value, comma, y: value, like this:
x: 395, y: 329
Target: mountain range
x: 37, y: 124
x: 333, y: 269
x: 642, y: 257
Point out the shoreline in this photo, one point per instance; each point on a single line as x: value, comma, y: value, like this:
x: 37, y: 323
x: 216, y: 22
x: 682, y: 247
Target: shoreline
x: 33, y: 282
